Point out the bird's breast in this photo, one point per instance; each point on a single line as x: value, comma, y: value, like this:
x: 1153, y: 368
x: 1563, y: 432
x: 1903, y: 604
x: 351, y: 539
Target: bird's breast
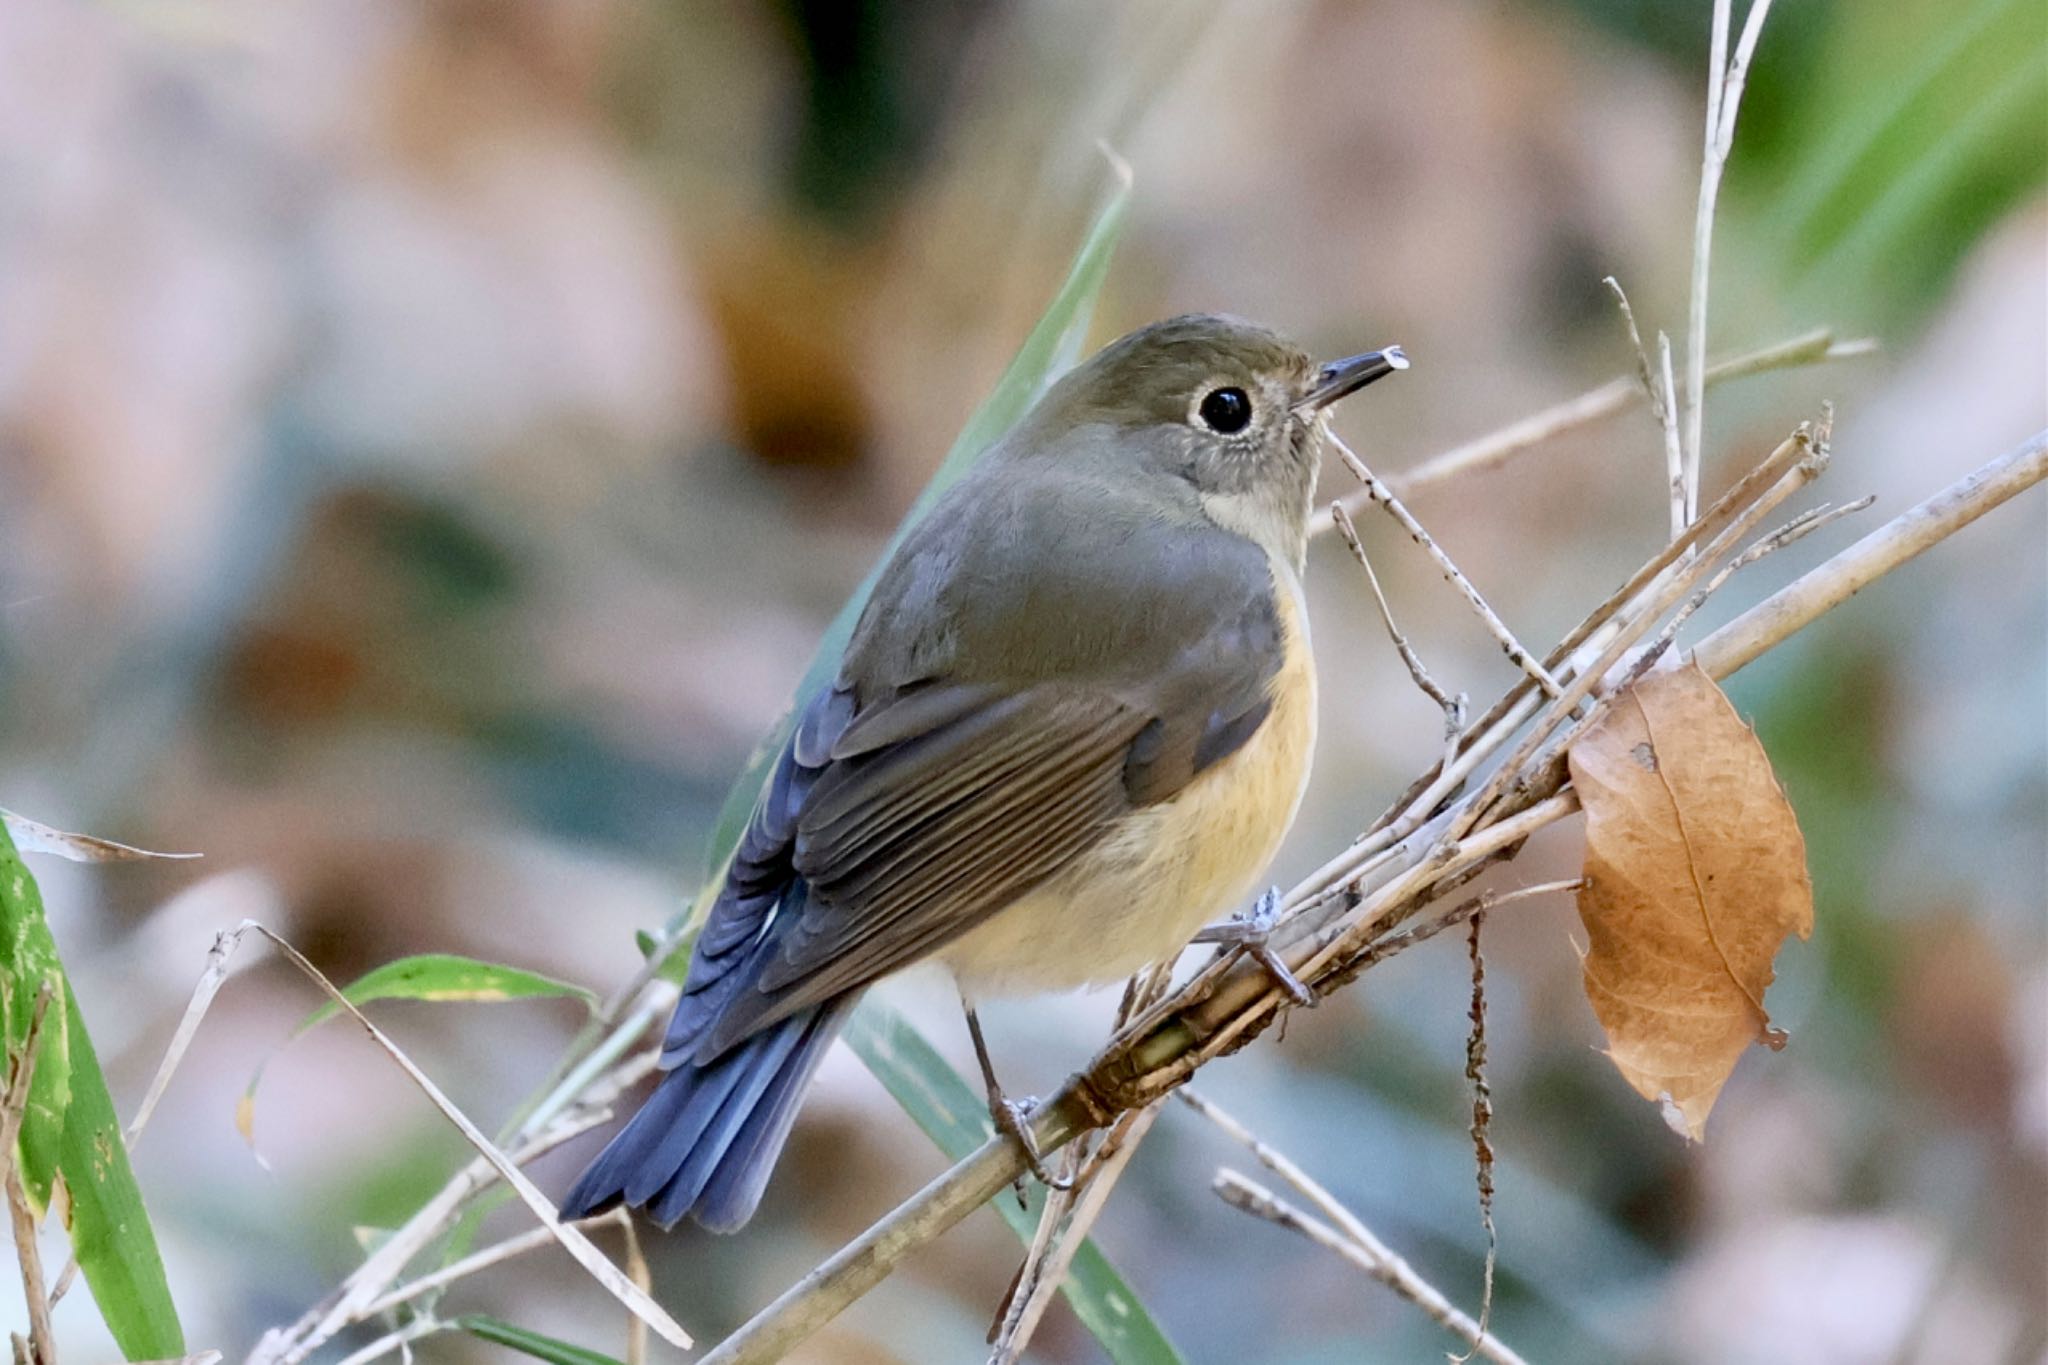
x: 1141, y: 892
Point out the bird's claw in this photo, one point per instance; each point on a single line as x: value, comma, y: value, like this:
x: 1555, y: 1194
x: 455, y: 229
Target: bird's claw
x: 1250, y: 933
x: 1013, y: 1119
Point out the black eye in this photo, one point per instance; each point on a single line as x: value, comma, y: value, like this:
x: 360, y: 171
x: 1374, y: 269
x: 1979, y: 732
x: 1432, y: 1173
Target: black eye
x: 1226, y: 410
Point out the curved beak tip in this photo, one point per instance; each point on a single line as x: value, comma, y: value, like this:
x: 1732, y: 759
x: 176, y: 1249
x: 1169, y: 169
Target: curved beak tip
x: 1341, y: 378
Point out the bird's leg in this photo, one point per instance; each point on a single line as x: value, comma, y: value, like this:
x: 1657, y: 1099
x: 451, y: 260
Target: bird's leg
x: 1249, y: 932
x: 1012, y: 1117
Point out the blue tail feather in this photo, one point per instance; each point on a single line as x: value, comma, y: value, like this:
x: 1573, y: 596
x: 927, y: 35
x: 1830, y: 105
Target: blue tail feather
x: 705, y: 1142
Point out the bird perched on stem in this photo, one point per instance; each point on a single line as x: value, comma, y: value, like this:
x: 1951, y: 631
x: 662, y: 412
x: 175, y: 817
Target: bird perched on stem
x: 1071, y: 728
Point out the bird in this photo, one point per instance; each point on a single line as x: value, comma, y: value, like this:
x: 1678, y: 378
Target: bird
x: 1070, y: 729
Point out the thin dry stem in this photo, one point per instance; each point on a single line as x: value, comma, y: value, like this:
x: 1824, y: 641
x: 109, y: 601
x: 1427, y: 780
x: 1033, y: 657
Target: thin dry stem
x: 1089, y: 1199
x: 1647, y: 594
x: 575, y: 1243
x: 1346, y: 1225
x: 1793, y: 531
x: 1416, y: 670
x: 1725, y: 81
x: 42, y: 1342
x: 496, y: 1254
x: 1635, y: 342
x: 1906, y: 536
x: 1617, y: 395
x: 1069, y: 1212
x: 546, y: 1128
x: 1378, y: 492
x: 400, y: 1340
x: 1374, y: 1259
x: 643, y: 1275
x: 1482, y: 1117
x: 1681, y: 492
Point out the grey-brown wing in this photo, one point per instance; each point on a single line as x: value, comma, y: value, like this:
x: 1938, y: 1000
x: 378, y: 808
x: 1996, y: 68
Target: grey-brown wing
x: 898, y: 850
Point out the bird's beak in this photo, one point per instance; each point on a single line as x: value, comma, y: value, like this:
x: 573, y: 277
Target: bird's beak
x: 1341, y: 378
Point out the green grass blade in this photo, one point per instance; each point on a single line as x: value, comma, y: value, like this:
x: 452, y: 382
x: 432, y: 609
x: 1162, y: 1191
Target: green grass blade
x: 1930, y: 139
x: 448, y: 976
x: 502, y: 1333
x: 955, y: 1116
x: 70, y: 1130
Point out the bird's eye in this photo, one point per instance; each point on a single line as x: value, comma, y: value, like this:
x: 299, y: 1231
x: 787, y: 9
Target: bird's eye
x: 1226, y: 410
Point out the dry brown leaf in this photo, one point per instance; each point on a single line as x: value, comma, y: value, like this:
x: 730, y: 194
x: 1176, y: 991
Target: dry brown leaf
x: 1695, y: 873
x: 33, y: 836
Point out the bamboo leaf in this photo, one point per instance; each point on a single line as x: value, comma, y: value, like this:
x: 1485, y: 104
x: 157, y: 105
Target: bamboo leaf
x: 955, y: 1116
x: 31, y: 960
x: 70, y: 1133
x: 540, y: 1347
x: 448, y: 976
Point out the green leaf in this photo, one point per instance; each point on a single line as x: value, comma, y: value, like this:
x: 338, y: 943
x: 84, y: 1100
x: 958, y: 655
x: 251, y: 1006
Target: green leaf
x: 955, y: 1116
x: 534, y: 1344
x: 1930, y: 127
x: 447, y: 976
x: 70, y: 1131
x: 675, y: 968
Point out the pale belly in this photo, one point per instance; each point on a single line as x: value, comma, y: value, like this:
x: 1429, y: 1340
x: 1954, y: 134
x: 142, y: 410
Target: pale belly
x: 1141, y: 893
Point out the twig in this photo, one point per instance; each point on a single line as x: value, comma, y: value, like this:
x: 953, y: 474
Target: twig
x: 531, y: 1240
x: 1089, y: 1199
x: 1725, y: 81
x: 1377, y: 491
x: 1388, y: 945
x: 397, y: 1341
x: 1372, y: 1258
x: 1650, y: 591
x: 549, y: 1124
x: 1664, y: 592
x: 1683, y: 495
x: 844, y: 1276
x: 1069, y: 1212
x: 1797, y: 529
x: 1482, y: 1118
x: 1635, y: 341
x: 1663, y: 402
x: 1617, y: 395
x: 1398, y: 1273
x: 642, y: 1275
x: 42, y: 1342
x: 1059, y: 1199
x: 1905, y: 536
x: 574, y: 1242
x: 1452, y: 707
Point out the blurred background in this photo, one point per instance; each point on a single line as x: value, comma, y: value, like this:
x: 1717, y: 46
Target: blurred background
x: 433, y: 434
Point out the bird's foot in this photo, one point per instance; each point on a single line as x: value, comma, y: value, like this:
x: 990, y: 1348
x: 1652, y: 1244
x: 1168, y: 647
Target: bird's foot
x: 1013, y: 1119
x: 1251, y: 933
